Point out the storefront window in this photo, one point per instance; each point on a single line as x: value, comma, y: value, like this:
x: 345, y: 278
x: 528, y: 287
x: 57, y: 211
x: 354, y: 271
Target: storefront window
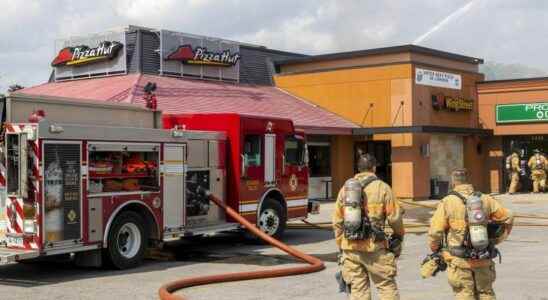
x: 294, y: 151
x: 252, y: 150
x: 319, y: 161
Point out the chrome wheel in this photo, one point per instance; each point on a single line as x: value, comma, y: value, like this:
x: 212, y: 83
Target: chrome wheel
x: 269, y: 221
x: 128, y: 240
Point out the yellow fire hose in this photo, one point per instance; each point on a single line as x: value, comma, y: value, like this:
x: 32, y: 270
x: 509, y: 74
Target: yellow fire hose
x: 419, y: 227
x: 433, y: 206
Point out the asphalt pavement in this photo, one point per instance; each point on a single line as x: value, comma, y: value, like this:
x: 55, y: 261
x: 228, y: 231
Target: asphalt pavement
x: 523, y: 273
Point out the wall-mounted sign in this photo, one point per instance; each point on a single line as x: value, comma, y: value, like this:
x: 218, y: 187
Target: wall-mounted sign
x: 522, y: 113
x: 200, y: 56
x: 441, y: 101
x: 94, y: 55
x: 438, y: 79
x: 80, y: 55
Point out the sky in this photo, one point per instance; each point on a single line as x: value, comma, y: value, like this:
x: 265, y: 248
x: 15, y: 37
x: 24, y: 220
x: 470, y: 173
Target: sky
x: 502, y: 31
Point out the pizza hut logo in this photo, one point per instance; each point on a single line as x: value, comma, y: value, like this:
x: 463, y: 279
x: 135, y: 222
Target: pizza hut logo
x: 80, y: 55
x: 200, y: 56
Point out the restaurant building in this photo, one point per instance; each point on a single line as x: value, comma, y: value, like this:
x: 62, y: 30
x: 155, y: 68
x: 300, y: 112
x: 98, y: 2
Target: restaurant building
x: 416, y: 108
x: 517, y: 112
x: 192, y: 74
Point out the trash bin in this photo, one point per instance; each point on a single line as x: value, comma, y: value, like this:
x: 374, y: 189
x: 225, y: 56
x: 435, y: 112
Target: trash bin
x: 438, y: 188
x: 443, y: 188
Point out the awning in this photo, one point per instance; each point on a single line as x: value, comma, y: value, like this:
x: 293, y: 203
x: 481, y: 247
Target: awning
x: 422, y: 129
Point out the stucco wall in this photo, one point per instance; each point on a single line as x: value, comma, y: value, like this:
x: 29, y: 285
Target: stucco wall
x: 447, y: 154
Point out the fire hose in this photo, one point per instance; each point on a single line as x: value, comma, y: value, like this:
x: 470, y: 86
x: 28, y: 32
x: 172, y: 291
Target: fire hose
x: 420, y: 227
x: 434, y: 206
x: 167, y: 290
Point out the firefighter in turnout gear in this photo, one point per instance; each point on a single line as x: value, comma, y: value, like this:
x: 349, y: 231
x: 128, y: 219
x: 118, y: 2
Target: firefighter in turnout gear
x: 364, y: 204
x: 465, y: 227
x: 537, y: 164
x: 514, y: 171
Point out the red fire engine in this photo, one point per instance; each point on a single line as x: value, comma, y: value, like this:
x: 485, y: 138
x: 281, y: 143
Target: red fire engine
x: 109, y: 192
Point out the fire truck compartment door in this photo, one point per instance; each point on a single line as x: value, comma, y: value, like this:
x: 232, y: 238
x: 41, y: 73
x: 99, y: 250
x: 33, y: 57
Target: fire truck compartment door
x: 13, y: 255
x: 174, y: 186
x: 270, y: 159
x: 62, y: 207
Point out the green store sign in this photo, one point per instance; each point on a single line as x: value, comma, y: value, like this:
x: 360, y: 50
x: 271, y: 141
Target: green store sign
x: 522, y: 113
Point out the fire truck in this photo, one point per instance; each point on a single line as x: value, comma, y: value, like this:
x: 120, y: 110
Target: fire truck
x: 106, y: 193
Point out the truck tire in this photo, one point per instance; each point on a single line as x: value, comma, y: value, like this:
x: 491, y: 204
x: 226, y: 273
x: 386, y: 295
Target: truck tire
x: 126, y: 241
x: 272, y: 218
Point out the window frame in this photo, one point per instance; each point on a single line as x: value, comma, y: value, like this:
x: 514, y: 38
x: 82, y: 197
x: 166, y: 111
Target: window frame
x: 259, y: 149
x: 301, y: 150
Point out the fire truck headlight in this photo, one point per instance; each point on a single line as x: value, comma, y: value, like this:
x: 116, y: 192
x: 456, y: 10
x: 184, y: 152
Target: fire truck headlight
x: 29, y: 226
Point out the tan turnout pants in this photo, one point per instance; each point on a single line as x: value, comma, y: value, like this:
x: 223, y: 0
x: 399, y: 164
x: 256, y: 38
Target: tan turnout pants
x: 514, y: 182
x: 472, y: 284
x: 539, y: 180
x: 380, y: 266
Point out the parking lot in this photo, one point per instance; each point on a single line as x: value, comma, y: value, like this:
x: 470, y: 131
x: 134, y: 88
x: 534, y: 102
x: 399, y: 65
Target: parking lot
x: 522, y: 274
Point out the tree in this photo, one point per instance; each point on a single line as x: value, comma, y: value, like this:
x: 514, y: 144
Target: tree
x: 498, y: 71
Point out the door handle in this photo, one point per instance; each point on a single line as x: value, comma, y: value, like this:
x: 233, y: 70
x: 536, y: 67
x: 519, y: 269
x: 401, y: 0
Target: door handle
x: 243, y: 175
x: 283, y: 164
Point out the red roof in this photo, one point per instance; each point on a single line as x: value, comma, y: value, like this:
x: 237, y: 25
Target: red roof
x: 176, y: 95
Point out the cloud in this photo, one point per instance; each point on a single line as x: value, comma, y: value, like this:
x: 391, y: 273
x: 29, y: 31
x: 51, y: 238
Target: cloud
x: 504, y: 31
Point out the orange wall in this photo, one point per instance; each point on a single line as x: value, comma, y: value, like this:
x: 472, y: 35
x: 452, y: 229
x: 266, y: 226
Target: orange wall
x: 351, y: 92
x: 493, y: 164
x: 476, y: 152
x: 491, y: 94
x: 342, y: 166
x: 410, y: 170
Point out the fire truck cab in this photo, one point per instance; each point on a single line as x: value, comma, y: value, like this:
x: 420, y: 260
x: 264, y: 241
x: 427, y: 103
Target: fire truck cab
x: 107, y: 193
x: 267, y: 170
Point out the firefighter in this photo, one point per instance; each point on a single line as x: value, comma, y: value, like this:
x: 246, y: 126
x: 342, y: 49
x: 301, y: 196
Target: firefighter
x: 537, y: 164
x: 514, y: 170
x: 465, y: 229
x: 364, y: 204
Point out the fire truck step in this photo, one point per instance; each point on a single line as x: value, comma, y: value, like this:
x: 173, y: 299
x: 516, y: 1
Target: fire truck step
x: 159, y: 254
x: 8, y: 255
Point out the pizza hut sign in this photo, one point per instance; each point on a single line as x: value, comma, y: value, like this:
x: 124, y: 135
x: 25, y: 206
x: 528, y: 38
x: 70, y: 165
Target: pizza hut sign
x: 201, y: 56
x: 441, y: 101
x: 80, y: 55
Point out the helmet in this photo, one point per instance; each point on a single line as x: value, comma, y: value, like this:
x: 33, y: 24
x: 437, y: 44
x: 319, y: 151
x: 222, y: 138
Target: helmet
x: 366, y: 162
